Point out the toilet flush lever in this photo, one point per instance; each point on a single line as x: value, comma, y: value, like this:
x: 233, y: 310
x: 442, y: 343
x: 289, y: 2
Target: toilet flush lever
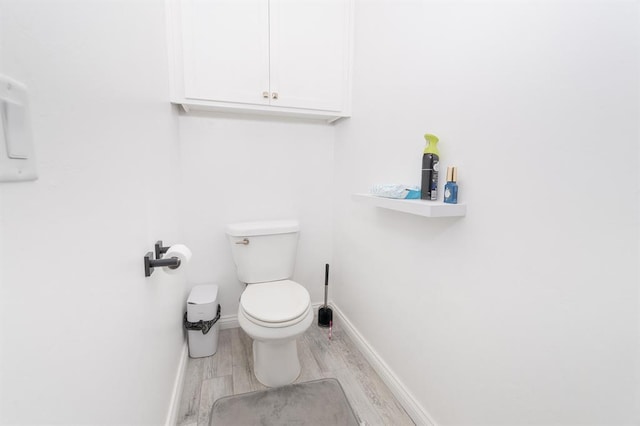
x: 244, y: 241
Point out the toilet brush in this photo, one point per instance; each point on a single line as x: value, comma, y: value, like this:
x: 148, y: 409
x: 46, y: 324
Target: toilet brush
x: 325, y: 314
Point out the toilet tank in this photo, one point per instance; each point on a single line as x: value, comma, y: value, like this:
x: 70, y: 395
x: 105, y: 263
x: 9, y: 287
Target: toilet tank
x: 264, y: 251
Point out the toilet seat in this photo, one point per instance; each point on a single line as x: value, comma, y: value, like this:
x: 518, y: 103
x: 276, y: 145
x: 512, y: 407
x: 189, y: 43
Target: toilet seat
x: 275, y: 304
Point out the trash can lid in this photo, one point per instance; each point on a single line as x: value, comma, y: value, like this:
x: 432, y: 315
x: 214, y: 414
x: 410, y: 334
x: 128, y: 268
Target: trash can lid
x: 202, y: 294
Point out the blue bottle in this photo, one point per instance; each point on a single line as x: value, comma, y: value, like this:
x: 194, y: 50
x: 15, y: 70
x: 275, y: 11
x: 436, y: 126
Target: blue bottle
x: 451, y: 188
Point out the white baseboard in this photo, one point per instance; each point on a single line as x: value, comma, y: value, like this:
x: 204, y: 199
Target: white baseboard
x: 317, y: 306
x: 417, y: 413
x: 178, y: 384
x: 228, y: 321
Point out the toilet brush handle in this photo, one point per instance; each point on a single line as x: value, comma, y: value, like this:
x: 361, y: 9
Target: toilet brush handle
x: 326, y: 283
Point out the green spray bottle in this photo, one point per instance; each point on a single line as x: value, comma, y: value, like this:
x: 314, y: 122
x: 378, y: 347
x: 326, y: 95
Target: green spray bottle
x: 430, y: 166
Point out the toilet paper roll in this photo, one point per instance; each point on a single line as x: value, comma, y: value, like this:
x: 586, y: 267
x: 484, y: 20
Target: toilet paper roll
x: 180, y: 251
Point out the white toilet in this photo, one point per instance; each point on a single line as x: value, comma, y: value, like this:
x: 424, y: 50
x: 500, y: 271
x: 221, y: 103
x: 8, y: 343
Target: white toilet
x: 274, y: 310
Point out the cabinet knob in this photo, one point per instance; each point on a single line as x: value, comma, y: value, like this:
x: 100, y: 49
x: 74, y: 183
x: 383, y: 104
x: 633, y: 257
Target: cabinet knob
x: 265, y: 95
x: 274, y: 95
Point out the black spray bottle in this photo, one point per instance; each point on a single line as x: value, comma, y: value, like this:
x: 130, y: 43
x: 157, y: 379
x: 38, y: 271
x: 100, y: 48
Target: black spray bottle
x: 430, y: 166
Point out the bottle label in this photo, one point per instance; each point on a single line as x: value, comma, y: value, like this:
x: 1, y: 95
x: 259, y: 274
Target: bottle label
x: 427, y: 170
x: 434, y: 179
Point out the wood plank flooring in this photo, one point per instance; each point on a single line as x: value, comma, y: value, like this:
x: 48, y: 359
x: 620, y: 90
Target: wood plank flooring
x: 230, y: 372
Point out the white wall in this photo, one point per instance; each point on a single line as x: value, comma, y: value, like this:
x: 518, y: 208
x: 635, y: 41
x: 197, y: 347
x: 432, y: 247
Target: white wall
x: 525, y: 311
x: 239, y: 169
x: 84, y: 337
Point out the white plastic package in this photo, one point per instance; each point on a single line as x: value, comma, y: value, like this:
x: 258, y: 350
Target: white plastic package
x: 393, y: 190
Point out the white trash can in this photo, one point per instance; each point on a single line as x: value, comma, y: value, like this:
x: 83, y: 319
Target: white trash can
x: 201, y: 320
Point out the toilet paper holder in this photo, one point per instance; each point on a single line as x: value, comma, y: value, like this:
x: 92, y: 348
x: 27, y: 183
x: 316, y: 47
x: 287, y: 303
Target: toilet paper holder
x: 160, y: 249
x: 150, y: 263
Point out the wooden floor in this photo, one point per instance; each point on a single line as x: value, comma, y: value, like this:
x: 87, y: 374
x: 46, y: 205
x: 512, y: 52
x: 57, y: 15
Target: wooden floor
x: 230, y: 372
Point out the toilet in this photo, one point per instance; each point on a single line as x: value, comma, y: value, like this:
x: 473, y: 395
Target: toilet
x: 274, y: 310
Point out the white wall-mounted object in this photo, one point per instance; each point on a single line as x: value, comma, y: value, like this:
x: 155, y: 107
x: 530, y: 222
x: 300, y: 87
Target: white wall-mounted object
x: 17, y: 155
x: 277, y: 57
x: 416, y: 207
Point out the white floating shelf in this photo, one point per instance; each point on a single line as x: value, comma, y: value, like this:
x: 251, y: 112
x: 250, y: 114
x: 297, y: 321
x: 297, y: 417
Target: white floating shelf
x: 417, y: 207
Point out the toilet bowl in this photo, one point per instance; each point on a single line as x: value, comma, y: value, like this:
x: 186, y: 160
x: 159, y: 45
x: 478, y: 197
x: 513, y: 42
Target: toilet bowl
x: 273, y: 310
x: 274, y: 315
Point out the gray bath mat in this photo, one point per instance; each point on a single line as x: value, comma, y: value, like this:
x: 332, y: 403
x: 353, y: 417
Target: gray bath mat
x: 321, y: 402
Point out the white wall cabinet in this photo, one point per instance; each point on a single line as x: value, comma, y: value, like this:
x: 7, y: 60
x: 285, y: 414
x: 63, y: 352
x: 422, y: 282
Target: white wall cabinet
x: 283, y: 57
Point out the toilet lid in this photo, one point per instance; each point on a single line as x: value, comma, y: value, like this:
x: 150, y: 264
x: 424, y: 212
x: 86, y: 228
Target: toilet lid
x: 276, y: 301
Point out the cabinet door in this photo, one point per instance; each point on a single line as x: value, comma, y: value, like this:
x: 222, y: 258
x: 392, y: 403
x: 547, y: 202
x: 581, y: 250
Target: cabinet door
x: 309, y: 42
x: 226, y: 50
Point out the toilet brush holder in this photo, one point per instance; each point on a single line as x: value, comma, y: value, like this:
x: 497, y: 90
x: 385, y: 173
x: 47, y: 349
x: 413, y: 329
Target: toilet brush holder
x: 325, y: 316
